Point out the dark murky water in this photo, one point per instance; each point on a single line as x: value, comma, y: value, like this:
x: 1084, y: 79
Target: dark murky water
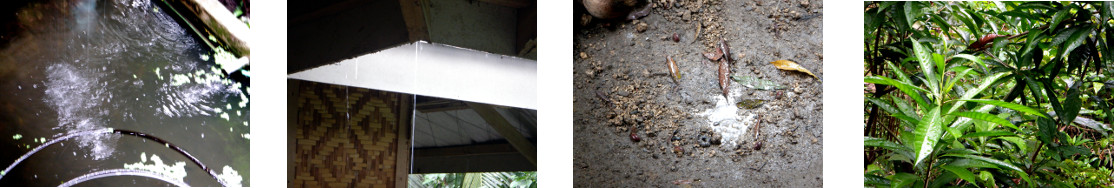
x: 68, y: 66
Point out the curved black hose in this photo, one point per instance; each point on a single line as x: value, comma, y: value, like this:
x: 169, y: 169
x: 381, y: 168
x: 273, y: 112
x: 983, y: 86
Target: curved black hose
x: 123, y: 172
x: 115, y: 131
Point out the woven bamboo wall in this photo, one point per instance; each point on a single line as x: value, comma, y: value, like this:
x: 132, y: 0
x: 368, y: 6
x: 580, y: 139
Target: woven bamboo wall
x: 345, y: 136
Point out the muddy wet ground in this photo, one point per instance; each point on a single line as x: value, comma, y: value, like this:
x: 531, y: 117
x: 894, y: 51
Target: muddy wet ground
x: 687, y: 133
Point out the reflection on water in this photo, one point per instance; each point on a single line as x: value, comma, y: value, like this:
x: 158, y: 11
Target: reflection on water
x: 81, y: 65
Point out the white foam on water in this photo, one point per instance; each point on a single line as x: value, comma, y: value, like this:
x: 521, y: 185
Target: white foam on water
x: 79, y: 98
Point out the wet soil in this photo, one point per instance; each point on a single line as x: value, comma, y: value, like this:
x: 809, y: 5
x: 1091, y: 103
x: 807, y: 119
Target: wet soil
x: 635, y: 126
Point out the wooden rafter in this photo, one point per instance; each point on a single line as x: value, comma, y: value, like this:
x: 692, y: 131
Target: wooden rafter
x: 504, y: 128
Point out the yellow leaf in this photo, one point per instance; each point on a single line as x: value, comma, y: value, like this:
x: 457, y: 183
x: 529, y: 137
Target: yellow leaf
x: 789, y: 65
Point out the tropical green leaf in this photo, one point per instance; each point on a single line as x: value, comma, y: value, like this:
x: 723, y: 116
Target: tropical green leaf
x: 927, y: 134
x: 875, y: 180
x: 903, y: 180
x: 1072, y: 104
x: 989, y: 134
x: 904, y: 106
x: 1063, y: 36
x: 924, y: 57
x: 1058, y: 17
x: 910, y: 13
x: 1077, y: 38
x: 969, y: 58
x: 961, y: 172
x: 900, y: 74
x: 986, y: 117
x: 995, y: 162
x: 883, y: 105
x: 1016, y: 141
x: 904, y: 87
x: 888, y: 145
x: 1013, y: 106
x: 986, y: 82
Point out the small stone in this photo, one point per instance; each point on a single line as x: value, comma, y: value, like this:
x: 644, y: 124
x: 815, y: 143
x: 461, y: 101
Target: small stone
x: 641, y: 27
x: 583, y: 55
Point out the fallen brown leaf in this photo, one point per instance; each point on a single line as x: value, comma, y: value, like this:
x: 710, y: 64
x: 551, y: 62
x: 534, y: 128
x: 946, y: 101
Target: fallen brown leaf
x: 789, y: 65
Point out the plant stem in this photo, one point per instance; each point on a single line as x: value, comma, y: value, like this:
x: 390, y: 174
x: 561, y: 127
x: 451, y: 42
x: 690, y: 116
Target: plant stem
x: 1033, y: 158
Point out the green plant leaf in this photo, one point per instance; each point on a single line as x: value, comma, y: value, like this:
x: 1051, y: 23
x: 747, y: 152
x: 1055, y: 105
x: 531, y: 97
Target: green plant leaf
x: 900, y: 74
x: 888, y: 145
x: 986, y: 117
x: 960, y: 73
x: 875, y: 180
x: 961, y: 172
x: 1058, y: 17
x: 1002, y: 164
x: 904, y: 87
x: 1077, y: 38
x: 903, y: 180
x: 969, y: 58
x: 904, y: 106
x: 1013, y: 106
x: 989, y: 134
x: 924, y: 57
x: 971, y: 27
x: 910, y: 14
x: 1016, y: 141
x: 986, y: 82
x: 927, y: 134
x: 1063, y: 36
x: 883, y: 105
x: 1071, y: 105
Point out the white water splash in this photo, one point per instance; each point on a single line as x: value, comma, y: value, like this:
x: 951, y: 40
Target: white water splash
x: 79, y: 98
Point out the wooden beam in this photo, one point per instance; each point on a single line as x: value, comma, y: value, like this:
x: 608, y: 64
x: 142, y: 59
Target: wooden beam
x: 415, y: 19
x: 504, y: 128
x: 291, y: 129
x: 402, y: 157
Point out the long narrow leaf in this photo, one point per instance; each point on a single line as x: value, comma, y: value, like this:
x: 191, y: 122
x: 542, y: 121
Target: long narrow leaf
x: 1013, y: 106
x: 883, y: 105
x: 1075, y: 40
x: 996, y: 162
x: 1017, y: 141
x: 988, y: 133
x: 961, y: 71
x: 963, y: 173
x: 986, y: 82
x: 927, y: 134
x: 986, y: 117
x: 924, y: 57
x: 904, y: 87
x: 1072, y: 104
x: 970, y: 58
x: 888, y: 145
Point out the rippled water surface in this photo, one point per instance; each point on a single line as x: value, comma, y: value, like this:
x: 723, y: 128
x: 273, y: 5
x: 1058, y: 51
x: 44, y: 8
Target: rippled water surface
x: 68, y: 66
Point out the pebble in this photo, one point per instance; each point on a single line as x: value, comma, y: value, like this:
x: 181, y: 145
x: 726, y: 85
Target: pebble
x: 641, y: 27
